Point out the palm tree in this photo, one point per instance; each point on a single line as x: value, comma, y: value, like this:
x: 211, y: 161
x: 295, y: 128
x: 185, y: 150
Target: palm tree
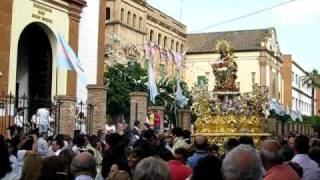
x: 312, y: 80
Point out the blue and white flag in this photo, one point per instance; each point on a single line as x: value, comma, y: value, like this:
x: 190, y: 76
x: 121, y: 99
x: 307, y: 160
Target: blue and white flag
x: 181, y: 99
x: 152, y: 83
x: 67, y: 59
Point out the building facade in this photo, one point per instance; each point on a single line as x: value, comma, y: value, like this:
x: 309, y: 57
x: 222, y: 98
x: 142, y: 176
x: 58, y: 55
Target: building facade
x: 132, y: 23
x: 298, y: 96
x: 258, y: 59
x: 28, y: 52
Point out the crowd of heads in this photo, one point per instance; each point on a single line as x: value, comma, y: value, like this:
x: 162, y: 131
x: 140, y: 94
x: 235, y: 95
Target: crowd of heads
x: 147, y: 155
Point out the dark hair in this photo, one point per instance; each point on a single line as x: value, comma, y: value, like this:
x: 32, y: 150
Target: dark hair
x: 213, y: 147
x: 4, y: 158
x: 206, y: 168
x: 148, y: 134
x: 287, y: 153
x: 177, y: 131
x: 232, y: 143
x: 314, y: 154
x: 246, y: 140
x: 60, y: 143
x: 60, y: 137
x: 109, y: 158
x: 137, y: 152
x: 181, y: 151
x: 94, y: 140
x: 79, y: 140
x: 54, y: 168
x: 27, y: 145
x: 186, y: 133
x: 301, y: 144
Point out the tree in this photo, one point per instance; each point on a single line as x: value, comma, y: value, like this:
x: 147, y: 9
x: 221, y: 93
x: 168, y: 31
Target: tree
x: 122, y: 80
x: 312, y: 80
x: 166, y: 97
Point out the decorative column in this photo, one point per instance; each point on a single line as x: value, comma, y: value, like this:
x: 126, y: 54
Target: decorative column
x: 138, y: 107
x: 5, y: 31
x: 97, y: 96
x: 159, y: 109
x: 66, y: 114
x: 184, y: 119
x: 75, y: 9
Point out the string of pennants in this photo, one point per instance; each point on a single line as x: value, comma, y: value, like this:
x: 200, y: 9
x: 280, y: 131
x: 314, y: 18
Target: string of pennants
x: 150, y: 49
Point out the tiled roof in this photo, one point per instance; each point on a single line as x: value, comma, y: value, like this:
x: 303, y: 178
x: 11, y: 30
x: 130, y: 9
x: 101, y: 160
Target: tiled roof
x: 243, y: 40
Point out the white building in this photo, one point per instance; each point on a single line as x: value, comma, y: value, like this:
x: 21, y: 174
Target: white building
x: 298, y: 96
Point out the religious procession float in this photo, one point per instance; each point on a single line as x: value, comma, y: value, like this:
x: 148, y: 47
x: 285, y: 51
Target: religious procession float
x: 224, y: 112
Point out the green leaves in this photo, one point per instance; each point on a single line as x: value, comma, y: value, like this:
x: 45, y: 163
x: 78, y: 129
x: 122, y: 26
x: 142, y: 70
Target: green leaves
x: 123, y: 80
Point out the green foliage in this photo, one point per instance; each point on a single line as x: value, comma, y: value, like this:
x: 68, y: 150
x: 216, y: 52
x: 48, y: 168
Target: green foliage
x: 283, y: 118
x: 312, y: 79
x: 313, y: 120
x: 122, y: 80
x: 166, y: 97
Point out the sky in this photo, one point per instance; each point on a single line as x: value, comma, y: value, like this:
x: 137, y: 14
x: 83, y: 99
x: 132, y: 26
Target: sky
x: 297, y: 23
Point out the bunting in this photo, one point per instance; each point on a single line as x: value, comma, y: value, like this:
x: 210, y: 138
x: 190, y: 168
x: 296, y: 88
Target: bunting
x: 152, y: 83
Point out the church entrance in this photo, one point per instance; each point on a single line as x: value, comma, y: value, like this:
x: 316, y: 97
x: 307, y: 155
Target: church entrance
x: 34, y: 70
x: 34, y: 63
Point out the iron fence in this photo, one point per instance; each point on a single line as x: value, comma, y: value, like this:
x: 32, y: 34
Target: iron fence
x: 84, y: 117
x: 21, y: 114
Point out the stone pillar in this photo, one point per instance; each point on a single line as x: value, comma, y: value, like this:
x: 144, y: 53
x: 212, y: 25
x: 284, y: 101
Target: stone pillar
x: 66, y: 124
x: 184, y: 119
x: 138, y: 107
x: 97, y: 96
x: 161, y: 111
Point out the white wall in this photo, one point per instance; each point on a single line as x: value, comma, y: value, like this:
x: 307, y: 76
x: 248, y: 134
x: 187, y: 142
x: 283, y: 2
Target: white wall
x: 300, y: 102
x: 88, y: 45
x: 199, y: 65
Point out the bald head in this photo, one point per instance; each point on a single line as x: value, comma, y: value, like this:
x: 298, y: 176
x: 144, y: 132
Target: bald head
x: 200, y: 142
x: 271, y: 146
x: 271, y: 153
x: 83, y: 163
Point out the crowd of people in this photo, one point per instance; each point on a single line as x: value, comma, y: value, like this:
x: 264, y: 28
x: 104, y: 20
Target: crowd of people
x: 147, y: 155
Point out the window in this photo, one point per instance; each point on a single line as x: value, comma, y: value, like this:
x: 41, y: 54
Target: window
x: 161, y: 72
x: 151, y: 35
x: 128, y: 17
x: 134, y: 20
x: 202, y: 80
x: 177, y: 46
x: 292, y: 76
x: 159, y: 39
x: 172, y: 43
x: 108, y: 13
x: 122, y: 15
x: 296, y: 78
x: 181, y: 49
x: 140, y: 23
x: 165, y: 41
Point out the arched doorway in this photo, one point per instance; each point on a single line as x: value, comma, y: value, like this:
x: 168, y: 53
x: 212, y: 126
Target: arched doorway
x: 34, y: 63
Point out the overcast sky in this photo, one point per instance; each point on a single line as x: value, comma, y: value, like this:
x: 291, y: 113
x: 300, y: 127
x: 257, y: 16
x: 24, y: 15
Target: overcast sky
x: 297, y: 23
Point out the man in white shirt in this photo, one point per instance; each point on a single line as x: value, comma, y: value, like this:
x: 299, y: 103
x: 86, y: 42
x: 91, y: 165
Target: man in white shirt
x: 19, y: 121
x: 43, y: 120
x: 311, y: 170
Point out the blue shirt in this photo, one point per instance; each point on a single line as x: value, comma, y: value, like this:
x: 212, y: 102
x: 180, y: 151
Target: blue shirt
x: 193, y: 160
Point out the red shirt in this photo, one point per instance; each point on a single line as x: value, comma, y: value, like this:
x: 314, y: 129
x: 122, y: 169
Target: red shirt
x: 281, y: 172
x: 178, y: 170
x: 157, y: 119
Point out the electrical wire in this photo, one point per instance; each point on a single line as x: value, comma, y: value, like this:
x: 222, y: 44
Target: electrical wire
x: 243, y: 16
